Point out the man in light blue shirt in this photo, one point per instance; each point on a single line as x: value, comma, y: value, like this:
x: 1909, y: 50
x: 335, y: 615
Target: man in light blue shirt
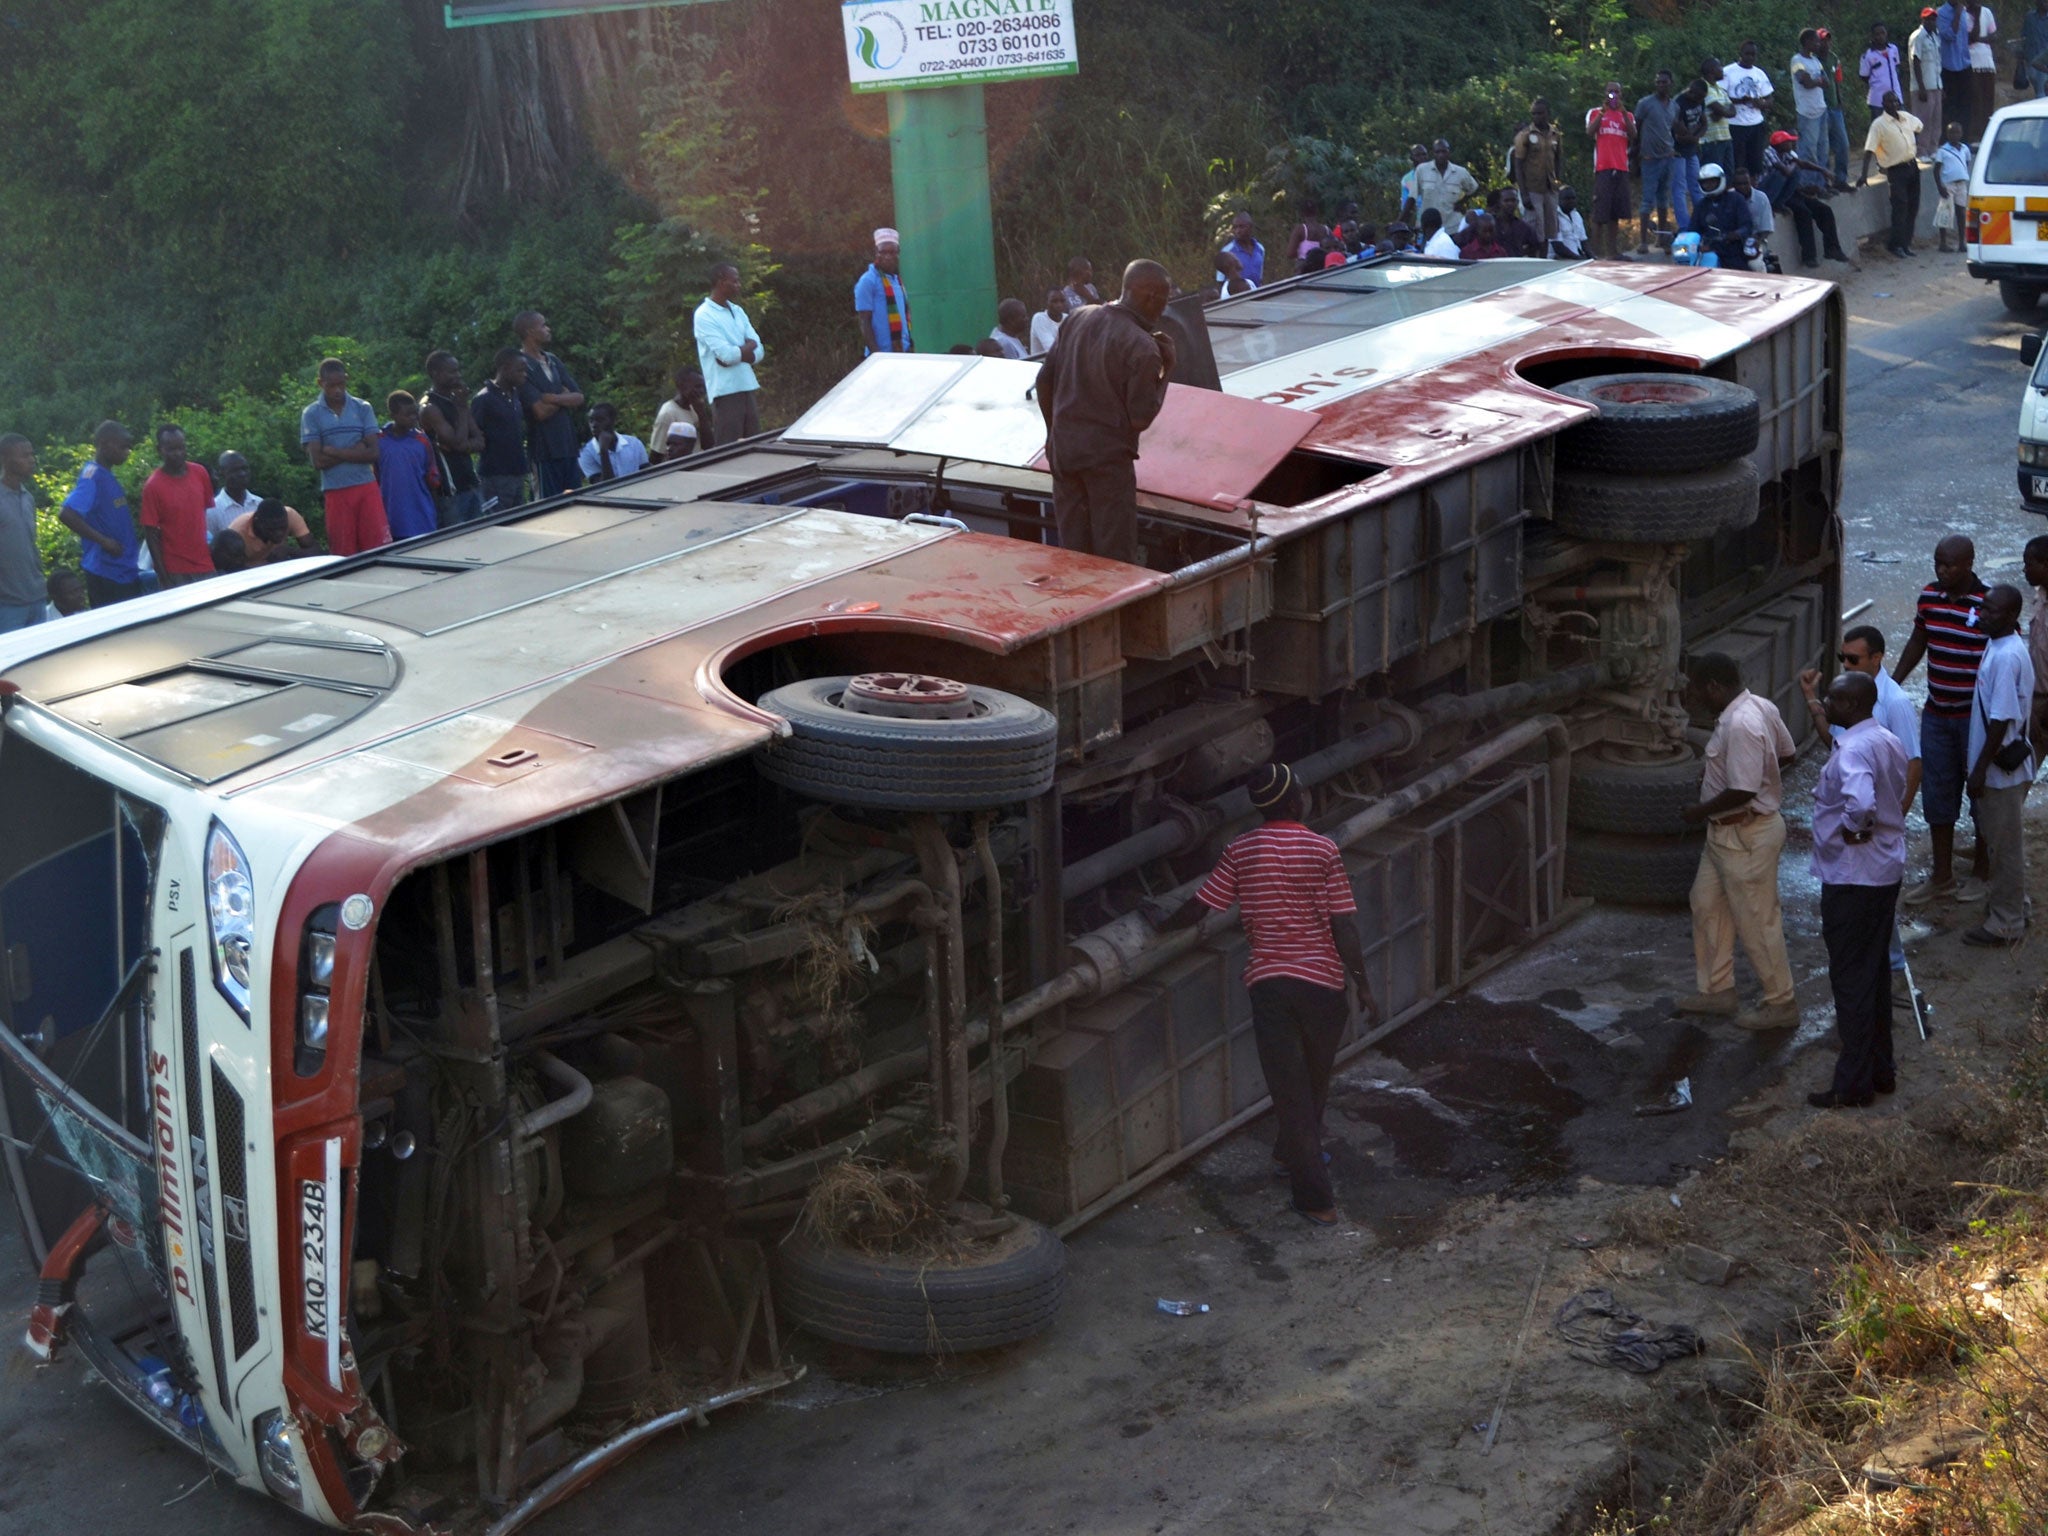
x: 881, y: 304
x: 728, y: 346
x: 1859, y: 857
x: 610, y: 453
x: 1863, y: 651
x: 2002, y: 766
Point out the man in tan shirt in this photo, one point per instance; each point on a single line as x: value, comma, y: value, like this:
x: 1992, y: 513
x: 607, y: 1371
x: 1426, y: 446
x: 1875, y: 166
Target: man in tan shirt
x: 1735, y: 894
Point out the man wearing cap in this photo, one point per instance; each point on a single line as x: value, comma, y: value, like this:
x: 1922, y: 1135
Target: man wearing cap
x: 1295, y: 901
x: 1923, y: 76
x: 1102, y: 384
x: 881, y: 304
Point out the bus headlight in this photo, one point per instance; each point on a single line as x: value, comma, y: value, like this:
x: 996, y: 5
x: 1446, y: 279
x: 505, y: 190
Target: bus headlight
x: 277, y: 1458
x: 2033, y: 455
x: 230, y: 916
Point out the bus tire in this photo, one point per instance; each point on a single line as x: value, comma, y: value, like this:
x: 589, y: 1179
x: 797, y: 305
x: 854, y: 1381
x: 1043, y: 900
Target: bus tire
x: 1632, y: 871
x: 1658, y: 423
x: 1001, y: 754
x: 1639, y: 798
x: 1670, y: 509
x: 1000, y: 1293
x: 2019, y: 298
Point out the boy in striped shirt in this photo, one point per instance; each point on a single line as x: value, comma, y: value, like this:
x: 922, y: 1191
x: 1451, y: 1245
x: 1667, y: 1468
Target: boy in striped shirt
x: 1948, y: 630
x: 1294, y: 899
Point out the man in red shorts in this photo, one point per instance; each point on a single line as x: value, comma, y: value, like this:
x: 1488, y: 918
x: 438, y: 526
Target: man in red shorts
x: 1294, y: 899
x: 339, y: 433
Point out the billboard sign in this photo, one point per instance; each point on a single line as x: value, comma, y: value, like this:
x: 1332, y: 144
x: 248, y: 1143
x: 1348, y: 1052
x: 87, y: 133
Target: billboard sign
x: 897, y: 45
x: 478, y: 13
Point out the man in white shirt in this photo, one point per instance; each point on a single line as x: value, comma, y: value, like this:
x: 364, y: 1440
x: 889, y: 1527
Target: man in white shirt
x: 1045, y: 325
x: 728, y: 346
x: 1809, y: 100
x: 1983, y: 74
x: 1736, y: 892
x: 235, y: 498
x: 1923, y: 80
x: 1013, y: 329
x: 1749, y: 89
x: 1571, y: 226
x: 1436, y: 238
x: 2002, y: 766
x: 610, y: 454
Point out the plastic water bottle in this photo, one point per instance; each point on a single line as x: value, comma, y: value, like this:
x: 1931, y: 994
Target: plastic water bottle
x: 156, y: 1381
x: 1182, y: 1308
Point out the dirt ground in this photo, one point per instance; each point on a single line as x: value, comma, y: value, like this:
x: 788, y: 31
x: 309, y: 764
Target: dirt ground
x: 1489, y: 1159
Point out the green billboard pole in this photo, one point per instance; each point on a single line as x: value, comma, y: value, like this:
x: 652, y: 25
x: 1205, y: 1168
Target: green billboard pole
x: 938, y: 163
x: 932, y: 57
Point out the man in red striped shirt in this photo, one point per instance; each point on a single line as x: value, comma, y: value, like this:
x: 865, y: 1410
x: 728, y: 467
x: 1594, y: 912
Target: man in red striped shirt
x: 1948, y: 630
x: 1294, y: 899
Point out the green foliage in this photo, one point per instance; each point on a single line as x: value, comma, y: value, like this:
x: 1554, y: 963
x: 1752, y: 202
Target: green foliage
x: 192, y: 196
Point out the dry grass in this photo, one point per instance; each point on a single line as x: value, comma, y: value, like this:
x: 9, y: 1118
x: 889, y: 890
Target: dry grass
x: 829, y: 964
x: 877, y: 1210
x: 1934, y: 1321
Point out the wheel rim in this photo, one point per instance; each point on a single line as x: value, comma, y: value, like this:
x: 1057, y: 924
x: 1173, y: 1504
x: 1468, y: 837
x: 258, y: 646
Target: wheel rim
x: 907, y: 696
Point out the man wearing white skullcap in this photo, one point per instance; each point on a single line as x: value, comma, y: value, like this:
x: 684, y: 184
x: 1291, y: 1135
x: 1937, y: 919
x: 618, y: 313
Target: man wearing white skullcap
x: 881, y: 304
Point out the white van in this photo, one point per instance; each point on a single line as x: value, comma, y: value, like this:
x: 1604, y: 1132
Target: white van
x: 2033, y: 469
x: 2009, y: 205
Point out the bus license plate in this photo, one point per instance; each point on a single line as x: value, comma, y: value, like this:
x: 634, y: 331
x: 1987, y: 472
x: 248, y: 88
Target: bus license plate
x: 317, y: 1315
x: 2040, y: 491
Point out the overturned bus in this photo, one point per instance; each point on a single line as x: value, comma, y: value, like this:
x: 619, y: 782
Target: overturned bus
x: 435, y: 980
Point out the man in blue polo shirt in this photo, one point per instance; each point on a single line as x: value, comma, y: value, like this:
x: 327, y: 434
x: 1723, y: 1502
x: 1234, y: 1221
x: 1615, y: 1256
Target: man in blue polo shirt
x: 97, y: 511
x: 881, y: 304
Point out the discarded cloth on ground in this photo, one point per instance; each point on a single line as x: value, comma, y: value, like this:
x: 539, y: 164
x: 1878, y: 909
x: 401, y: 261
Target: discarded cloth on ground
x: 1600, y: 1331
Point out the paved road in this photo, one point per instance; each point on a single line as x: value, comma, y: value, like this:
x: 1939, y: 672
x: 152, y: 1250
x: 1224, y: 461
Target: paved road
x: 1933, y: 391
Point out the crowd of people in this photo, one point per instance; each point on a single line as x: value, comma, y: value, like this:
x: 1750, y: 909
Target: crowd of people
x: 1977, y: 743
x: 435, y: 460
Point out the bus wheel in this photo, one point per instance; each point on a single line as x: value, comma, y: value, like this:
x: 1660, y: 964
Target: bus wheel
x: 1632, y: 871
x: 1658, y: 423
x: 1610, y: 795
x: 979, y: 1294
x: 906, y: 742
x: 2020, y: 298
x: 1669, y: 509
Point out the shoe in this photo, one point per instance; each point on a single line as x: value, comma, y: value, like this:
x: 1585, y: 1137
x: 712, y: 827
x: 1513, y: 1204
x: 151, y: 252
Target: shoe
x: 1984, y: 938
x: 1885, y: 1084
x: 1827, y: 1098
x: 1318, y: 1218
x: 1926, y: 891
x: 1783, y: 1015
x: 1280, y: 1168
x: 1724, y: 1004
x: 1971, y: 889
x: 1916, y: 932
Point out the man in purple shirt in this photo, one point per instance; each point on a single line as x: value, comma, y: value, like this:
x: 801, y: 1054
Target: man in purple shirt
x: 1859, y: 857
